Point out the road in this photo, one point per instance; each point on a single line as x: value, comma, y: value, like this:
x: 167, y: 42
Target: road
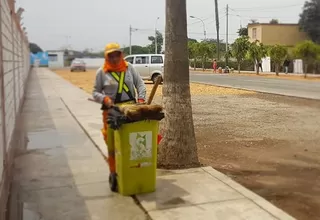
x: 296, y: 88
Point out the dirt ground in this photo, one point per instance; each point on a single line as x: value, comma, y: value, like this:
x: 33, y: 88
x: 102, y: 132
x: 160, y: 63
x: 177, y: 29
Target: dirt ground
x: 85, y: 81
x: 268, y: 143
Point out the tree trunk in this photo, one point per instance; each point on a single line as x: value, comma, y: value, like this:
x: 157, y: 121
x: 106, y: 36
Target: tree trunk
x: 178, y: 148
x: 277, y: 69
x: 239, y: 66
x: 257, y: 68
x: 202, y: 64
x: 194, y: 63
x: 305, y: 70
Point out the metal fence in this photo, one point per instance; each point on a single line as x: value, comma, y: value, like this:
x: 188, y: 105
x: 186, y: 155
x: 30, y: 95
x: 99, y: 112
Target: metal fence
x: 14, y: 70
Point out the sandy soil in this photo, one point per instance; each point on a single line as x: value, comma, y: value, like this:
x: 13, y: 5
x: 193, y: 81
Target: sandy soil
x: 85, y: 81
x: 268, y: 143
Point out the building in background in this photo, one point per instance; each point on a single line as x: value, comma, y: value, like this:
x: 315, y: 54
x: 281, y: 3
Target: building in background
x: 39, y: 59
x: 56, y: 58
x: 288, y: 35
x: 270, y: 34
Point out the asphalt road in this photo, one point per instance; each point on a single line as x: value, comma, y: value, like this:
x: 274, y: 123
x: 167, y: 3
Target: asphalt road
x: 302, y: 89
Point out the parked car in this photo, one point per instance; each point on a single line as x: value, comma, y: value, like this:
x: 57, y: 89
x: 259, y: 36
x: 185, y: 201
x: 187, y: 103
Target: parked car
x: 149, y: 66
x: 78, y: 65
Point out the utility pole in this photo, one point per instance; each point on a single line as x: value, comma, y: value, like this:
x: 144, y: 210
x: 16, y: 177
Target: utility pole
x: 155, y: 42
x: 67, y: 41
x: 155, y: 37
x: 130, y: 35
x: 227, y: 33
x: 217, y: 27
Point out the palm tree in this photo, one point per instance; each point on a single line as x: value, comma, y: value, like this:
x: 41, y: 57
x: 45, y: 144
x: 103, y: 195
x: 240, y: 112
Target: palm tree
x: 178, y: 147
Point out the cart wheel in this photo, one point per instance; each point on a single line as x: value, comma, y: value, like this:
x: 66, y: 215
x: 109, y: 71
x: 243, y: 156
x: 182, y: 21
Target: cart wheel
x: 113, y: 182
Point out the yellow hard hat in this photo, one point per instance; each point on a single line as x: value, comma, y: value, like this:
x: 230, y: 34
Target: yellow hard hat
x: 111, y: 47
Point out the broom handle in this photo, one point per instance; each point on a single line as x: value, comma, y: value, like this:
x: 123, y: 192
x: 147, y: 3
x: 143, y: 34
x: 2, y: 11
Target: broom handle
x: 154, y: 89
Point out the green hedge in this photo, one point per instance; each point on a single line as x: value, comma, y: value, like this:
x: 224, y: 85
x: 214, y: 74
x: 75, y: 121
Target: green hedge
x: 247, y: 65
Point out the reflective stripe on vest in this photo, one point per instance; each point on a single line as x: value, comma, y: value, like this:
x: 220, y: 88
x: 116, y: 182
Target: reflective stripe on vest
x: 120, y: 81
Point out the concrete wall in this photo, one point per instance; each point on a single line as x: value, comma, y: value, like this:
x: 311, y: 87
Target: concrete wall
x: 93, y: 62
x: 258, y: 30
x: 14, y: 70
x: 283, y: 34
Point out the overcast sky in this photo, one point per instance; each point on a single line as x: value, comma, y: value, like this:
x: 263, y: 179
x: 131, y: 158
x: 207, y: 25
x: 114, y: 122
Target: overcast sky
x: 53, y: 24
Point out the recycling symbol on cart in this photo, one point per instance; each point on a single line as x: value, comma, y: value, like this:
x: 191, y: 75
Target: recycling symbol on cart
x: 141, y: 145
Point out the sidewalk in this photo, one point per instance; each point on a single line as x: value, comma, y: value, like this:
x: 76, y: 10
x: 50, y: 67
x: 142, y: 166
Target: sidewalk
x: 63, y: 176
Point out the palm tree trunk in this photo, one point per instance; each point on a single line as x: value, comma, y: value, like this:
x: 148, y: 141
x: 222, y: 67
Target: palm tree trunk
x: 239, y: 66
x: 178, y: 147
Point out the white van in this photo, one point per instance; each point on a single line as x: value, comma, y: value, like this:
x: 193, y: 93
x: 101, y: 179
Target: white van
x: 149, y: 66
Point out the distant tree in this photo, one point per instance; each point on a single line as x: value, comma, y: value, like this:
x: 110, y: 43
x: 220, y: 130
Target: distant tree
x: 274, y: 21
x: 205, y: 50
x: 34, y: 48
x: 239, y: 49
x: 278, y: 55
x: 136, y: 49
x: 227, y: 55
x: 253, y: 21
x: 243, y: 31
x: 192, y: 40
x: 87, y: 52
x: 310, y: 19
x: 159, y: 43
x: 309, y: 52
x: 256, y: 52
x: 193, y: 52
x: 222, y: 45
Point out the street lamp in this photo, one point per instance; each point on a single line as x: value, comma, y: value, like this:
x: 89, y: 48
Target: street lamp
x: 155, y: 36
x: 67, y: 40
x: 204, y: 26
x: 240, y: 18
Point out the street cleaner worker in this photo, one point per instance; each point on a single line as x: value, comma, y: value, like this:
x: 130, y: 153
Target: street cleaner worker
x: 115, y: 84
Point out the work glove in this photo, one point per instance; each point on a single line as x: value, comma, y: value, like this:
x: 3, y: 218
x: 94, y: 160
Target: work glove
x: 115, y: 118
x: 107, y: 103
x: 141, y: 101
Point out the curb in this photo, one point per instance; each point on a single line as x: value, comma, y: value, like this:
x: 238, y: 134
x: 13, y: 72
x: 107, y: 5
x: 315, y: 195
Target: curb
x: 257, y: 91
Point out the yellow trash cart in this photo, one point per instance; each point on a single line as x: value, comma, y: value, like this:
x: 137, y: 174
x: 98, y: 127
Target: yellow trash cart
x: 136, y: 145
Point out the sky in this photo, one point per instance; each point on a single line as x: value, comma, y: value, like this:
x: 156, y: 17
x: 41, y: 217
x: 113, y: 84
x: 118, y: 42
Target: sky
x: 91, y: 24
